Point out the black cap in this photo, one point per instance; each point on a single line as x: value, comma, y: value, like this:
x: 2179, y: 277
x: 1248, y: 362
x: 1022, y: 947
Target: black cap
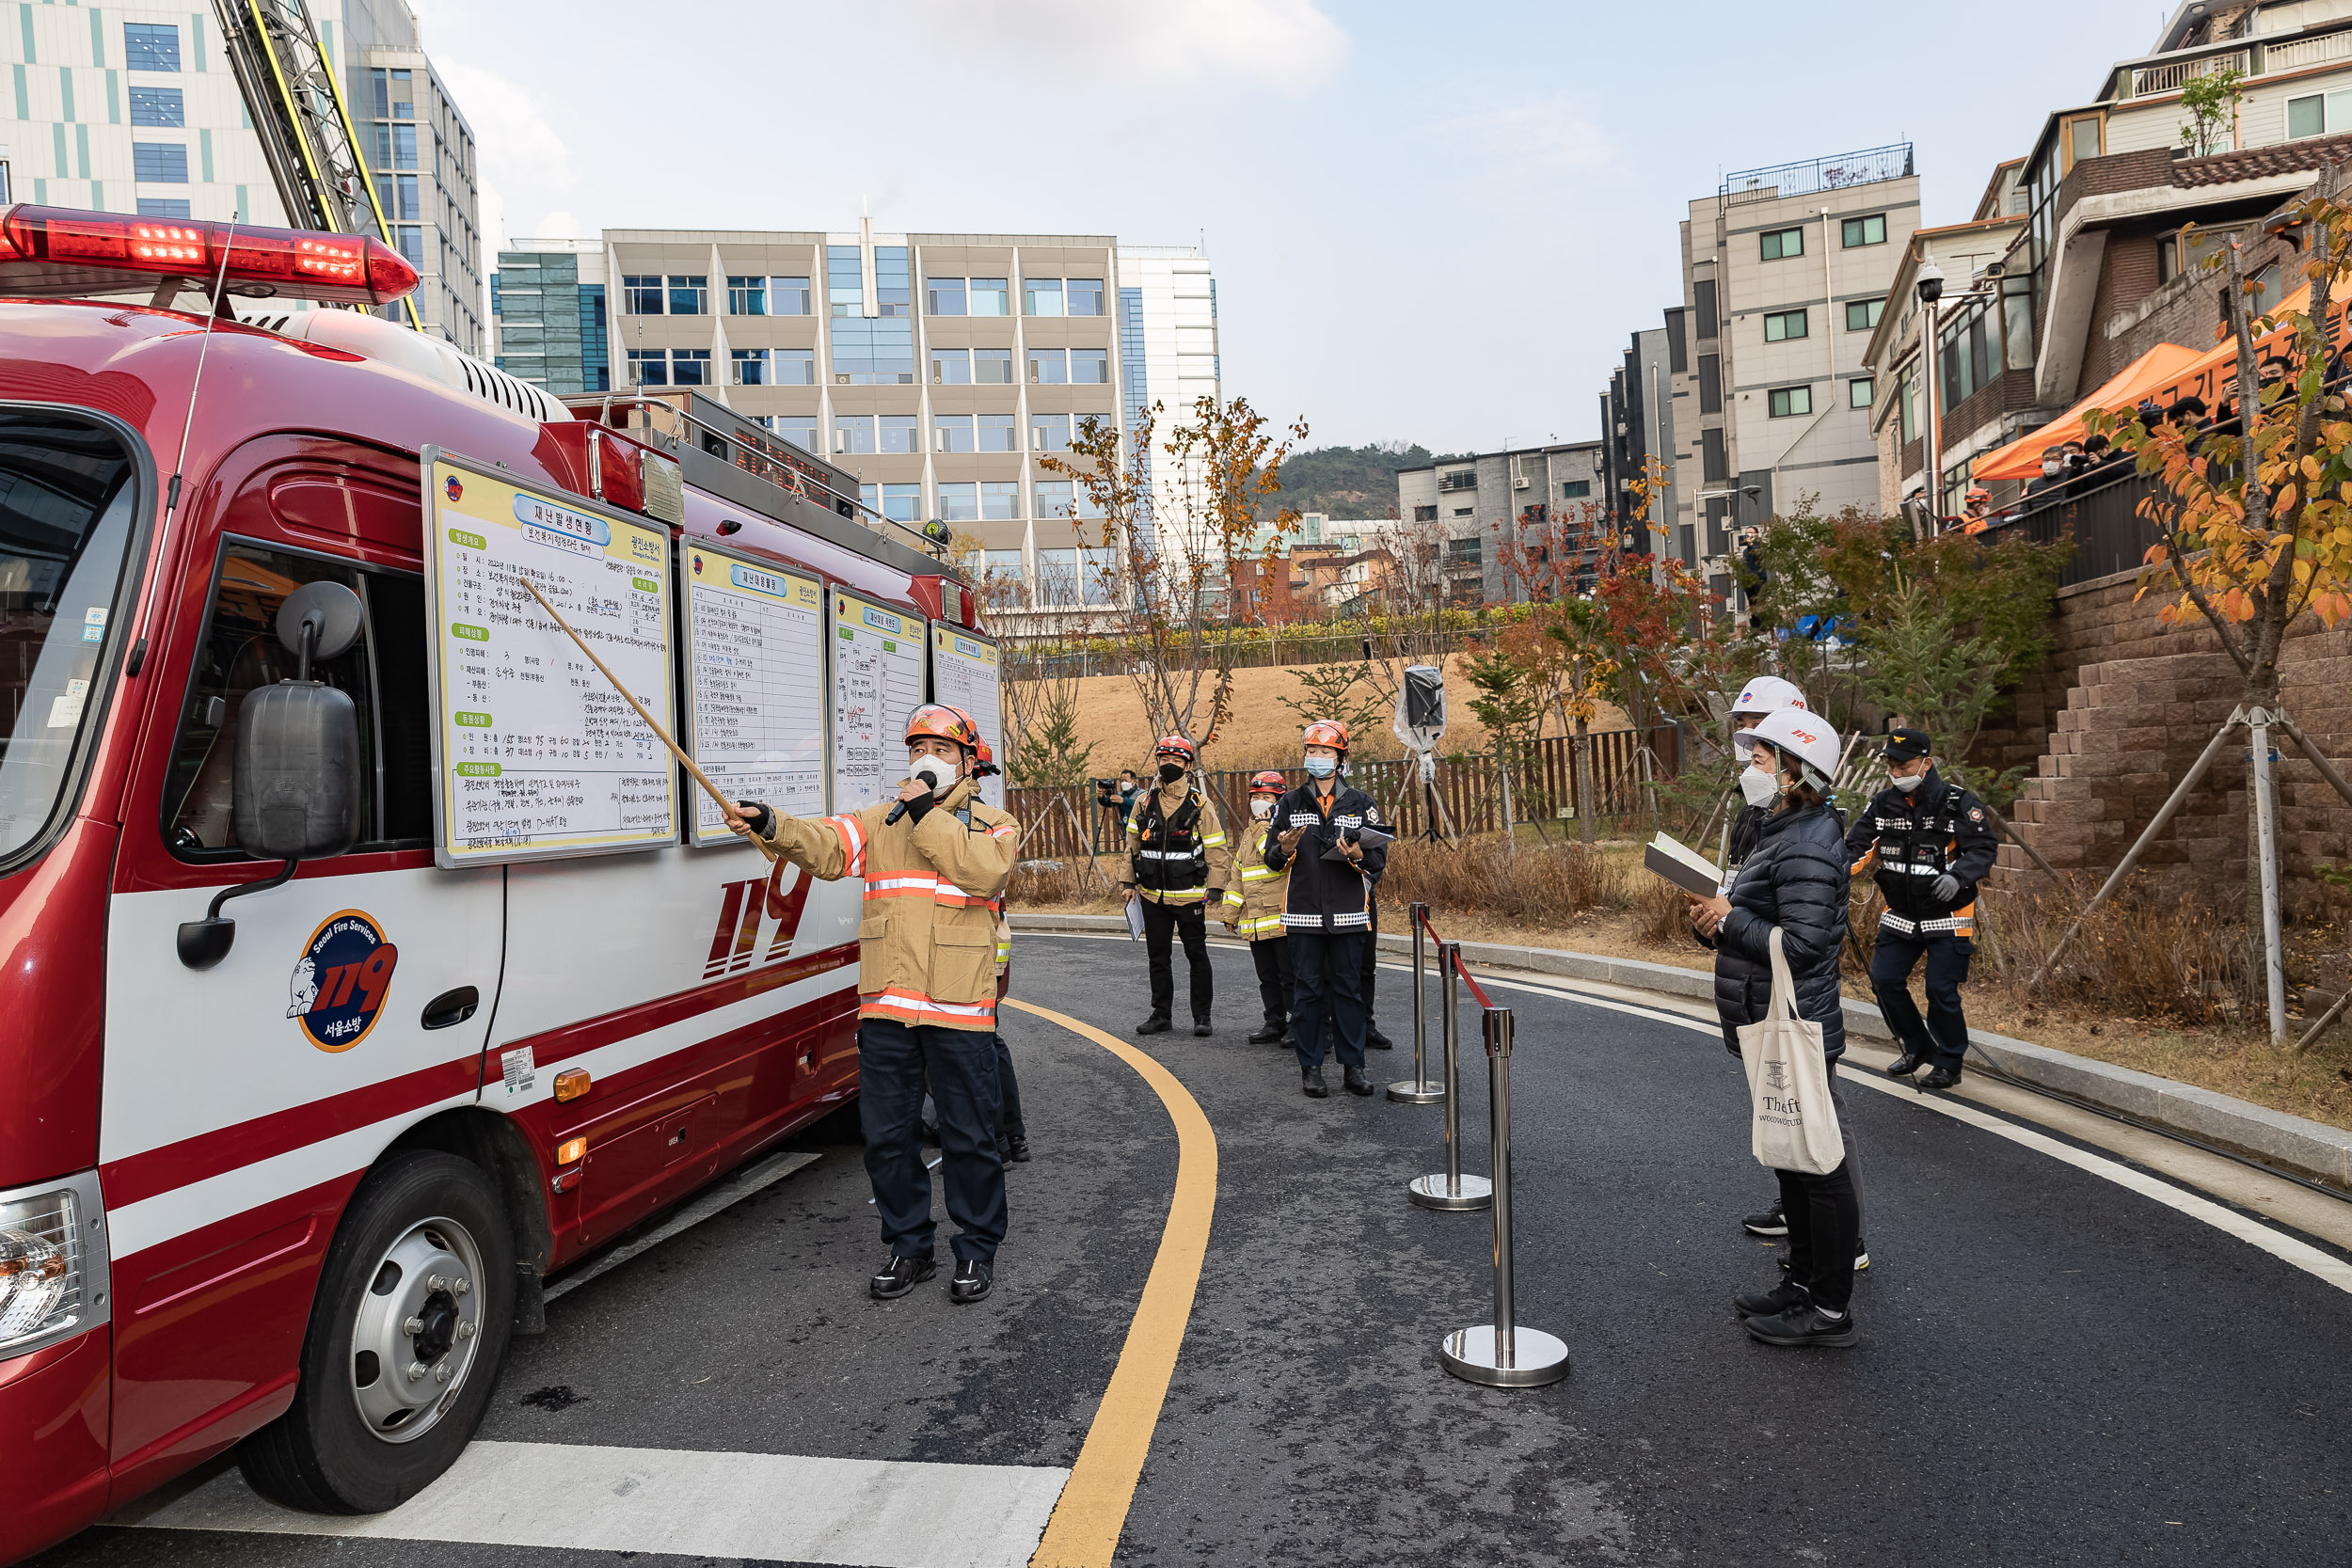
x: 1904, y: 745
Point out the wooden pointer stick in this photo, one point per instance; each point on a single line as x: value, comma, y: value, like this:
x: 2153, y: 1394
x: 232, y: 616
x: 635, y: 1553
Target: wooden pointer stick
x: 726, y: 807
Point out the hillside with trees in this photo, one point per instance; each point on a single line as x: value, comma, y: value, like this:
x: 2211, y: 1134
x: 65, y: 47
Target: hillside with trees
x: 1346, y: 482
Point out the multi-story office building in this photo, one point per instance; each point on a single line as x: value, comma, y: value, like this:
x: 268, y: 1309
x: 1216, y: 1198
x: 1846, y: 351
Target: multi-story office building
x: 938, y: 368
x: 1637, y: 424
x: 1785, y: 271
x: 1485, y: 502
x: 134, y: 109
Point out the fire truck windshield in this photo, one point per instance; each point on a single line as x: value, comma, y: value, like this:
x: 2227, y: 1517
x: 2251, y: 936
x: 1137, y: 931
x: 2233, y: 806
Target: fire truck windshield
x: 66, y: 499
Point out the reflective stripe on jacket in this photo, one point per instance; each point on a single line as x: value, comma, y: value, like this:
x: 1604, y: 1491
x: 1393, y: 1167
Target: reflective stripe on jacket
x: 1214, y: 857
x: 926, y: 946
x: 1253, y: 900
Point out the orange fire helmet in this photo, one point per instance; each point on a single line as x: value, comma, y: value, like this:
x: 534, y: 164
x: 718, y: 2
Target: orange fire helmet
x: 942, y: 722
x: 1326, y: 732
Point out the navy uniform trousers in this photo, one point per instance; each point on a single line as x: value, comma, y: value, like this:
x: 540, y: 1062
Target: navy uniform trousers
x: 894, y: 1063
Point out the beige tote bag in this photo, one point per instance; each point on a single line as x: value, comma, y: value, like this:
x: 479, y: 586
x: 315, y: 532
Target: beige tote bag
x: 1794, y: 1125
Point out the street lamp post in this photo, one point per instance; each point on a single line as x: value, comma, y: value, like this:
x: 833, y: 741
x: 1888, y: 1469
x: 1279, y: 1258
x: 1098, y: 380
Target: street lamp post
x: 1930, y: 286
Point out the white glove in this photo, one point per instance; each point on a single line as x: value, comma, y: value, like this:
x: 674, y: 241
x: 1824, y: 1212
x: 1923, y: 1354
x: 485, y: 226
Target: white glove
x: 1945, y: 886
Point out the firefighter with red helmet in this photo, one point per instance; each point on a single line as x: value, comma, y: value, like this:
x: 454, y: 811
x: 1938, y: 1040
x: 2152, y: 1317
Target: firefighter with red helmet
x: 1253, y: 907
x: 1327, y: 907
x: 935, y: 863
x: 1179, y: 863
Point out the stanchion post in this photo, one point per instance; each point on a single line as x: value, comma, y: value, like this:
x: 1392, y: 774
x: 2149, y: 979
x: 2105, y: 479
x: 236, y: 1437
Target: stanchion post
x: 1452, y: 1190
x: 1417, y: 1090
x: 1502, y: 1354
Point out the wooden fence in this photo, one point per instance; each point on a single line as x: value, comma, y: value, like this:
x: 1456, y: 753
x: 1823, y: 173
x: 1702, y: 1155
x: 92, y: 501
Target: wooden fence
x: 1542, y: 787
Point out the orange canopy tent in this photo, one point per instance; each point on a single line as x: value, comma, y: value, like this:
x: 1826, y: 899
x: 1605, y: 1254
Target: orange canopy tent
x: 2021, y: 458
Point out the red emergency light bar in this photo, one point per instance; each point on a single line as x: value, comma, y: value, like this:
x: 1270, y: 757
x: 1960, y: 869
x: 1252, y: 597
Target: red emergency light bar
x: 57, y: 253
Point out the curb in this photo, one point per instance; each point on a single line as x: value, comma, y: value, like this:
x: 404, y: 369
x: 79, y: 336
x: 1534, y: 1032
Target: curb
x: 2310, y: 1149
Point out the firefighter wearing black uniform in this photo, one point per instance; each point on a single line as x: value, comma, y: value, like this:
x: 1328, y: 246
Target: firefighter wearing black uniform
x: 1327, y: 907
x: 1928, y: 842
x: 1180, y: 863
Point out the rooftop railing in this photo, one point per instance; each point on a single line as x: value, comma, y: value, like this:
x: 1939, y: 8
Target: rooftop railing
x: 1817, y: 175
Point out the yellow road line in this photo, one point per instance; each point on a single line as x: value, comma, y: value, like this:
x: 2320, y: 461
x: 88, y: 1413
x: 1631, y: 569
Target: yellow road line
x: 1083, y: 1530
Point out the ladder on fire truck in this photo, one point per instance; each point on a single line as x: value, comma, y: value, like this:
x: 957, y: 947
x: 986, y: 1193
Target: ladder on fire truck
x: 292, y: 92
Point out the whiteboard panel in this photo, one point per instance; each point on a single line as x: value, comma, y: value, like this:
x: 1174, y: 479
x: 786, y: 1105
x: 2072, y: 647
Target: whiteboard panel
x: 755, y: 685
x: 877, y: 686
x: 964, y: 674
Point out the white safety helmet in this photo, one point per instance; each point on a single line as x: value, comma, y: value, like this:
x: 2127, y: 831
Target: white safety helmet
x: 1807, y: 737
x: 1768, y: 694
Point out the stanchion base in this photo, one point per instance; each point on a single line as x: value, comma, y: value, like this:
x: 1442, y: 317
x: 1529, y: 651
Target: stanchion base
x: 1536, y: 1357
x: 1404, y: 1091
x: 1474, y: 1191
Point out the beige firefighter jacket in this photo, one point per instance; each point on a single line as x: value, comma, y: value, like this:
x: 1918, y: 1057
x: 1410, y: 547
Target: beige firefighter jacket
x: 926, y: 946
x: 1253, y: 900
x: 1218, y: 854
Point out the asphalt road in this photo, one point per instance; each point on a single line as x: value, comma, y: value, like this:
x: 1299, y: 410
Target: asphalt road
x: 2053, y: 1369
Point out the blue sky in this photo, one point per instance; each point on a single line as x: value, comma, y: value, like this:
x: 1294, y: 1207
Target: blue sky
x: 1429, y: 222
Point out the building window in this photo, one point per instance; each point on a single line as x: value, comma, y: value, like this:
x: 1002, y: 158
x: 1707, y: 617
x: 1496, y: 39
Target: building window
x: 1860, y: 390
x: 159, y: 163
x: 164, y: 207
x: 951, y: 366
x: 898, y: 434
x: 787, y: 296
x: 1458, y: 478
x: 902, y: 504
x: 1056, y: 499
x: 873, y: 352
x: 1780, y: 325
x: 1703, y: 304
x: 1465, y: 511
x: 751, y: 367
x: 395, y: 147
x: 946, y: 296
x: 2083, y: 137
x: 160, y: 106
x: 1090, y: 367
x: 409, y: 239
x: 689, y: 366
x: 689, y: 296
x: 397, y: 194
x: 845, y: 281
x: 1710, y: 384
x: 649, y: 367
x: 1575, y: 489
x: 1714, y: 461
x: 794, y: 367
x: 998, y: 432
x: 1040, y: 297
x: 1000, y: 499
x: 1967, y: 353
x: 1863, y: 314
x: 150, y: 47
x: 1786, y: 401
x: 989, y: 297
x: 893, y: 293
x: 991, y: 367
x: 960, y: 502
x: 1864, y: 230
x: 747, y: 296
x: 3, y: 181
x: 1049, y: 433
x: 853, y: 433
x: 951, y: 432
x: 1424, y: 514
x: 1781, y: 244
x: 799, y: 429
x: 1084, y: 295
x: 1002, y: 576
x: 641, y: 296
x: 1048, y: 367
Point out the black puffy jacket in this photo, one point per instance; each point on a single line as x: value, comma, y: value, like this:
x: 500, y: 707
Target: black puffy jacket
x: 1795, y: 879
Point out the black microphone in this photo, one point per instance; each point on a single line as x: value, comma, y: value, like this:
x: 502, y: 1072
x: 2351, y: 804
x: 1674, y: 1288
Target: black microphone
x: 900, y: 809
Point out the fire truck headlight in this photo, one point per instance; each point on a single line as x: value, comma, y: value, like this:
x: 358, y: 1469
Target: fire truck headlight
x: 47, y: 1289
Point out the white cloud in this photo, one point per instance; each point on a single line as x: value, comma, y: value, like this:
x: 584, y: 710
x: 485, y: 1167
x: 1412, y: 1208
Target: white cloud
x: 1527, y: 134
x: 523, y: 163
x: 1286, y: 42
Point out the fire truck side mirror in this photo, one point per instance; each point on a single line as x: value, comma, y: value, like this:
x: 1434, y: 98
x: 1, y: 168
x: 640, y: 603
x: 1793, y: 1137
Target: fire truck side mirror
x: 296, y: 795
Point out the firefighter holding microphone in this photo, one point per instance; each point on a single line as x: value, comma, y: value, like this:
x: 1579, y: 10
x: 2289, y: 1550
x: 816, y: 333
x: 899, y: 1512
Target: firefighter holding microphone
x: 934, y: 862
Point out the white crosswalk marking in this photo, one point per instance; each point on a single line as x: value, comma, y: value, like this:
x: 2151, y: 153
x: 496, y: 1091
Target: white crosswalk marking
x: 869, y: 1512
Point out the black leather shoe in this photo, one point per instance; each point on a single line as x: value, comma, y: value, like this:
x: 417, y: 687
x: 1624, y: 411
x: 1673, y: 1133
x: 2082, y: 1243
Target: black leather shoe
x: 1155, y: 1024
x: 1905, y: 1065
x: 972, y: 1281
x: 1766, y: 1222
x: 1942, y: 1078
x: 1803, y: 1325
x: 1767, y: 1304
x: 1355, y: 1080
x: 1202, y: 1027
x: 1311, y: 1083
x: 1376, y: 1040
x: 1017, y: 1149
x: 899, y: 1276
x: 1266, y: 1036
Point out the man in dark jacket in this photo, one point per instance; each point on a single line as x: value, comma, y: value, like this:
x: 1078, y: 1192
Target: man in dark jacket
x: 1929, y: 844
x: 1327, y: 907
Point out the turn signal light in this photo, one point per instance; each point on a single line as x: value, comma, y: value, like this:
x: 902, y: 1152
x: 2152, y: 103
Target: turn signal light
x: 571, y: 1151
x: 571, y: 1084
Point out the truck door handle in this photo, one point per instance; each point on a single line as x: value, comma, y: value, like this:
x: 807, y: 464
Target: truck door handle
x: 451, y: 1006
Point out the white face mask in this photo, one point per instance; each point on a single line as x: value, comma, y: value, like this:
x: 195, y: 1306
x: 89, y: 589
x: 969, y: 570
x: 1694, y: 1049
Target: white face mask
x: 1907, y: 785
x: 940, y: 773
x: 1760, y: 786
x: 1262, y: 807
x: 2052, y: 466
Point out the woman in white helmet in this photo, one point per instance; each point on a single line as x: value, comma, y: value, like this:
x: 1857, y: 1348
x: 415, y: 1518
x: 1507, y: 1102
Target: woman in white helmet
x: 1764, y: 694
x: 1795, y: 883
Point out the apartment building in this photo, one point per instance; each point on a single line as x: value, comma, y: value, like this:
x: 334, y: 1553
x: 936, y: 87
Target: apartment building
x: 1637, y: 424
x: 2100, y: 226
x: 937, y: 367
x: 1784, y: 275
x: 1481, y: 502
x: 134, y: 109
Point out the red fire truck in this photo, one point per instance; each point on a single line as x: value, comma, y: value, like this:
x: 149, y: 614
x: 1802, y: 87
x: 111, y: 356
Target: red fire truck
x: 298, y: 1200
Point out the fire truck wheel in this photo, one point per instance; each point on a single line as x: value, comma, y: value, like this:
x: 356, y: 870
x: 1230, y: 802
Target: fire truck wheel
x: 406, y: 1336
